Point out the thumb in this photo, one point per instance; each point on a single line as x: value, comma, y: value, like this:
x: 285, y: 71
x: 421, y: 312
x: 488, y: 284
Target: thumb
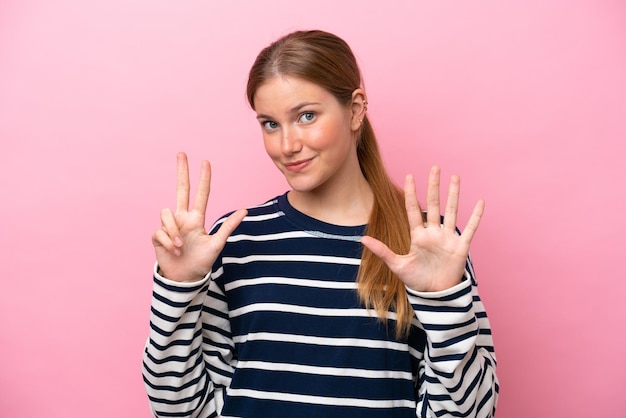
x: 229, y: 225
x: 380, y: 250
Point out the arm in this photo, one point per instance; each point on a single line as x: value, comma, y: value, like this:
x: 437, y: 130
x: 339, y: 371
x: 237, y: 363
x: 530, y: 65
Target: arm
x: 181, y: 370
x: 458, y: 372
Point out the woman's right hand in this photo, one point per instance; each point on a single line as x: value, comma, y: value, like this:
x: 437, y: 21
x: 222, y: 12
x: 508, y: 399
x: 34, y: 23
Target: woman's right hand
x: 184, y: 250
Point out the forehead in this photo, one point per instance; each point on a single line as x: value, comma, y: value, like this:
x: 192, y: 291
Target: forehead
x: 283, y: 92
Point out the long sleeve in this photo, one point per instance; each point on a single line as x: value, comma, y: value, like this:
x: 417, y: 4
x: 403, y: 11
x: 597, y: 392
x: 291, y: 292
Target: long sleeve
x: 457, y: 376
x: 184, y: 375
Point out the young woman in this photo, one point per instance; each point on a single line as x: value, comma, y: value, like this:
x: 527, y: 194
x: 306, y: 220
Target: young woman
x: 335, y: 299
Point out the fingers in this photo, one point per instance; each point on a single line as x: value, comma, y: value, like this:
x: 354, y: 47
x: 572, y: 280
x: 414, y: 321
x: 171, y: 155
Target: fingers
x: 474, y: 221
x: 433, y: 204
x: 433, y: 216
x: 161, y: 239
x: 204, y: 189
x: 170, y: 226
x: 413, y: 209
x: 168, y: 236
x: 182, y: 184
x: 452, y: 204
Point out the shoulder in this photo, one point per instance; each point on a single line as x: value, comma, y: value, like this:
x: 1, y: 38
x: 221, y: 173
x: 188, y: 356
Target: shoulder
x: 267, y: 210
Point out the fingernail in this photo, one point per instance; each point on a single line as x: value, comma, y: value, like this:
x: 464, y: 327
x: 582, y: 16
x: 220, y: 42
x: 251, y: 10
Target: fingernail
x: 178, y: 242
x: 176, y: 252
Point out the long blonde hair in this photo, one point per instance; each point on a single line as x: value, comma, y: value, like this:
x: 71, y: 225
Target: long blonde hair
x: 327, y: 60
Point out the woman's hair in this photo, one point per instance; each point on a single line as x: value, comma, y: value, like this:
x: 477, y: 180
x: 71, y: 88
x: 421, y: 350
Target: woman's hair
x: 326, y: 60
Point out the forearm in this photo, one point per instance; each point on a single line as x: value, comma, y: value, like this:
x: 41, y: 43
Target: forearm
x: 173, y: 368
x: 459, y: 360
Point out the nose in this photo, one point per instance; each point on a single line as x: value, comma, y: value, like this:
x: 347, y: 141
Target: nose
x: 290, y: 142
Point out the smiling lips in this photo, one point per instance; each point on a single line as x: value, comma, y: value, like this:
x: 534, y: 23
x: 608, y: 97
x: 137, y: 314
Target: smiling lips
x: 297, y: 166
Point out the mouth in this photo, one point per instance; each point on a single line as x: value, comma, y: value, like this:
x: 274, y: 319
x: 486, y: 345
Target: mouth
x: 299, y: 165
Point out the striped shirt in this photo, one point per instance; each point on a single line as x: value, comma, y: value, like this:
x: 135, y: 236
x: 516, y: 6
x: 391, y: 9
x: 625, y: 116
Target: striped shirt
x: 277, y: 329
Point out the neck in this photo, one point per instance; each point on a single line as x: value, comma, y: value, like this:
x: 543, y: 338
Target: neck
x: 348, y: 203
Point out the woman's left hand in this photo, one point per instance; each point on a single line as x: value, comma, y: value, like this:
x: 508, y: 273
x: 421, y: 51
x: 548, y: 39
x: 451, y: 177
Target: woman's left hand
x: 437, y: 256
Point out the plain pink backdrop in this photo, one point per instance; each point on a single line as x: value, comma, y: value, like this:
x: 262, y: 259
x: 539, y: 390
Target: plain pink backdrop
x: 526, y: 100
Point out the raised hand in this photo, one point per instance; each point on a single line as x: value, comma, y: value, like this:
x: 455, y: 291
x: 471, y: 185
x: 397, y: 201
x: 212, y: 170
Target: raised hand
x: 437, y: 256
x: 184, y: 250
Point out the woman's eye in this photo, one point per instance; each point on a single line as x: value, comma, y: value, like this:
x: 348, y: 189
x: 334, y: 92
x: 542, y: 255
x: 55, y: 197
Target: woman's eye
x: 269, y: 125
x: 307, y: 117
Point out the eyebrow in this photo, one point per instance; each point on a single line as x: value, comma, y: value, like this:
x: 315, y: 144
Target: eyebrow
x: 291, y: 111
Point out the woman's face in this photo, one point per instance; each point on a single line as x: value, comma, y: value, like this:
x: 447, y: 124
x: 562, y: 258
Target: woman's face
x: 308, y: 134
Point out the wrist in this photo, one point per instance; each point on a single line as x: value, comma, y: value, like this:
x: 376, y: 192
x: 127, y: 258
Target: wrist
x: 437, y: 285
x: 179, y: 277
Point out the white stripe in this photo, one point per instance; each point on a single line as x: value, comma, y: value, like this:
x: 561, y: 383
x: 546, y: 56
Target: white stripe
x: 269, y: 237
x: 416, y: 354
x: 313, y: 340
x: 253, y: 218
x: 258, y: 218
x: 266, y: 204
x: 321, y: 400
x: 305, y: 310
x: 325, y: 371
x: 292, y: 282
x: 217, y: 273
x: 283, y: 257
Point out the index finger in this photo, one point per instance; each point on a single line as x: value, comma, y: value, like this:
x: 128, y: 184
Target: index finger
x: 474, y: 221
x: 182, y: 183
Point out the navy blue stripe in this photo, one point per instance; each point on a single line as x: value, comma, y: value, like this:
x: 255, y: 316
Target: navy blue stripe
x: 448, y: 327
x: 484, y: 400
x: 167, y: 318
x: 451, y: 297
x: 172, y: 359
x: 324, y: 356
x: 214, y: 312
x: 216, y: 295
x: 456, y: 339
x: 190, y: 383
x: 471, y: 357
x: 171, y: 373
x: 168, y: 302
x: 162, y: 316
x: 179, y: 289
x: 221, y: 346
x: 323, y: 385
x: 438, y: 308
x: 173, y: 343
x: 268, y: 408
x: 177, y: 401
x: 179, y: 327
x: 212, y: 328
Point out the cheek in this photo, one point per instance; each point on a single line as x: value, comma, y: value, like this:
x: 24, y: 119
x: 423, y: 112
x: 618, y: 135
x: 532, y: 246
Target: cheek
x: 324, y: 136
x: 270, y: 147
x: 336, y: 137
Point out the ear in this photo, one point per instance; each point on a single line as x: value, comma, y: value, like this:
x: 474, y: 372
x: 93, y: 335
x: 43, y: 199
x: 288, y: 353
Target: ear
x: 358, y: 107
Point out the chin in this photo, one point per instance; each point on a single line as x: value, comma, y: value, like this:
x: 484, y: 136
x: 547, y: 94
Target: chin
x: 300, y: 188
x: 303, y: 185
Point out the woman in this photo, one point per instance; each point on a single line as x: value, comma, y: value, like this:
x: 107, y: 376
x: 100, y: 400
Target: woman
x: 302, y: 306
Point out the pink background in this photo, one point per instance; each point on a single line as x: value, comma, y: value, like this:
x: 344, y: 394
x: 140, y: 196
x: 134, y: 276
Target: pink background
x: 526, y: 100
